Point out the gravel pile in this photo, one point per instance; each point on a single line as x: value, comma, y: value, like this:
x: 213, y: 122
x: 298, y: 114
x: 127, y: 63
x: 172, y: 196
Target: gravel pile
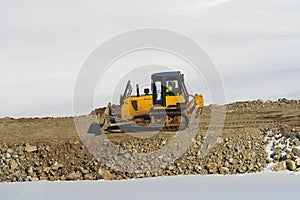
x: 32, y: 162
x: 258, y: 104
x: 238, y: 152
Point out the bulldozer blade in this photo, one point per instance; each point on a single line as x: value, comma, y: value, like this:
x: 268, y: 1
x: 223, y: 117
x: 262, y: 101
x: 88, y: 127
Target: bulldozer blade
x: 95, y: 128
x: 104, y: 118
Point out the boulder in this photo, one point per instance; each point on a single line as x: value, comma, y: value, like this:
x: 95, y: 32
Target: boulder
x: 281, y: 166
x: 224, y: 170
x: 30, y: 148
x: 13, y: 164
x: 291, y: 165
x: 73, y: 176
x: 296, y: 152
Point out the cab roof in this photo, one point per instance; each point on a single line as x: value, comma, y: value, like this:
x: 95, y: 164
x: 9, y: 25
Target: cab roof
x: 166, y: 74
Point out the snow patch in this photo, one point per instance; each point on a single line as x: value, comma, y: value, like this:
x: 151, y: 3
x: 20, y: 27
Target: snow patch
x: 229, y: 187
x: 277, y: 141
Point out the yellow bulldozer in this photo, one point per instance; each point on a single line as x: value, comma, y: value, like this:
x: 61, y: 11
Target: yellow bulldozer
x: 168, y: 107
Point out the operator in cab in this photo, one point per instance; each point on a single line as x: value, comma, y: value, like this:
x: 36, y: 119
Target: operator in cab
x: 169, y: 89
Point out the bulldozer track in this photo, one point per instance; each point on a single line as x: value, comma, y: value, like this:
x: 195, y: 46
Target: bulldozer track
x: 160, y: 114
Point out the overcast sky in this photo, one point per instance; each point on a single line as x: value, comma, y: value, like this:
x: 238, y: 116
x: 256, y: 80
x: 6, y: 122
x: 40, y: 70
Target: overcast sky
x: 254, y: 44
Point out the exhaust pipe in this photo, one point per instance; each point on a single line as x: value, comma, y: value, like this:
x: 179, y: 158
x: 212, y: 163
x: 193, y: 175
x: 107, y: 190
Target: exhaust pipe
x: 137, y: 90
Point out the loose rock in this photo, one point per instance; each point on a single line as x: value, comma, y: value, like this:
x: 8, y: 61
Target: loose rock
x: 281, y: 166
x: 30, y: 148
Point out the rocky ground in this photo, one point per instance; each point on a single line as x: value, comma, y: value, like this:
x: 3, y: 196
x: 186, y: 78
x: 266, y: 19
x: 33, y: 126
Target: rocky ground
x: 283, y: 149
x: 257, y: 135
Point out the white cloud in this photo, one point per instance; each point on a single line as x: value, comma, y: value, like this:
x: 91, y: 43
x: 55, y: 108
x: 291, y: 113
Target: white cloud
x: 196, y: 6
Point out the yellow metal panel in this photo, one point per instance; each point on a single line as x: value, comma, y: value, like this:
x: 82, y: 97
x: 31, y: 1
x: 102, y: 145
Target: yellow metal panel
x: 141, y: 103
x: 200, y: 102
x: 173, y: 100
x: 134, y: 106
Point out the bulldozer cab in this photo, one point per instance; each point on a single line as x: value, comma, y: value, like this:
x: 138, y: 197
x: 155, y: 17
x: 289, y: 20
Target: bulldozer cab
x: 167, y: 84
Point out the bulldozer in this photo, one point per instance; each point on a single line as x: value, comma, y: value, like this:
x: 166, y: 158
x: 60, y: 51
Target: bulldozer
x: 168, y: 107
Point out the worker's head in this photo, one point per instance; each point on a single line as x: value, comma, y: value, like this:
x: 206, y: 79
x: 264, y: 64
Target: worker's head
x: 171, y: 83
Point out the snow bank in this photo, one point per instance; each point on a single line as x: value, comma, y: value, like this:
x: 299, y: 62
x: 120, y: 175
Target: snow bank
x: 251, y: 186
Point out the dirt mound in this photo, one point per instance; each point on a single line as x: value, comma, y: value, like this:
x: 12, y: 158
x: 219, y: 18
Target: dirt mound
x: 50, y: 149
